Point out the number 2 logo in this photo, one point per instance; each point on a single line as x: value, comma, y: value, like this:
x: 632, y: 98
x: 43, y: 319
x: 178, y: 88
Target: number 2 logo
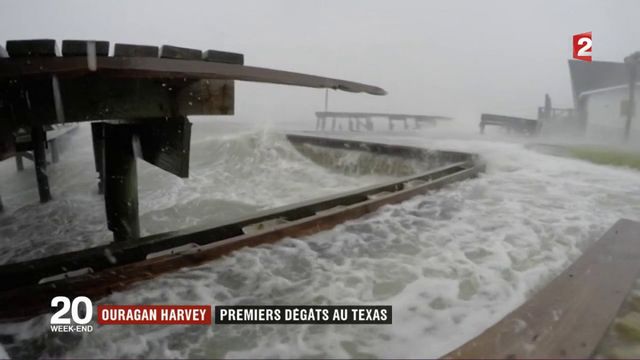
x: 582, y: 44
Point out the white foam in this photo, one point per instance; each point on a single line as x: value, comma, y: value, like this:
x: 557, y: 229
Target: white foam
x: 451, y: 263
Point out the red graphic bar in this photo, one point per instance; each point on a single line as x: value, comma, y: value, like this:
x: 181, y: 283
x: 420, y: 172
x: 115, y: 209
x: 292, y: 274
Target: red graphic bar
x: 154, y: 314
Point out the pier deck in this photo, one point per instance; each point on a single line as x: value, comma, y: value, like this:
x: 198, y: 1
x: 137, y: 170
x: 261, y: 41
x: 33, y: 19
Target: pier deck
x: 569, y: 317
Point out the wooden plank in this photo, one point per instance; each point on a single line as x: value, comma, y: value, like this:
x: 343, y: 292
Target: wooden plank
x: 568, y: 317
x: 32, y: 48
x: 165, y: 143
x: 149, y: 67
x: 121, y: 182
x: 99, y: 97
x: 130, y: 50
x: 7, y: 144
x: 97, y: 136
x: 79, y: 47
x: 223, y: 57
x: 175, y: 52
x: 38, y: 141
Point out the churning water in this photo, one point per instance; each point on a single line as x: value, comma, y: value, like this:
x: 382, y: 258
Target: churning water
x: 451, y: 262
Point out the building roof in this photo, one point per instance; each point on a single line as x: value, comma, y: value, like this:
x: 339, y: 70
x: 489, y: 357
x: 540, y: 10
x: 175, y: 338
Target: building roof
x: 589, y: 76
x: 611, y: 88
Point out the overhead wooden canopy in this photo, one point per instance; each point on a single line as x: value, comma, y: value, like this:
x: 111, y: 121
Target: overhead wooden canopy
x: 39, y: 86
x: 208, y: 65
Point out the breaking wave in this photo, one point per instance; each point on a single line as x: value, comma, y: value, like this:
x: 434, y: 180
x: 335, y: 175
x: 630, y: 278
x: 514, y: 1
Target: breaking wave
x: 231, y: 175
x: 451, y: 262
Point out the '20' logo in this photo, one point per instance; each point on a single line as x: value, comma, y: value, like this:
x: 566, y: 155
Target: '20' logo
x: 582, y: 44
x: 59, y: 317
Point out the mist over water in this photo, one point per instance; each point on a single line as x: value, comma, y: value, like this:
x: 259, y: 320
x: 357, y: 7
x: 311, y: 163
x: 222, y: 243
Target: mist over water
x: 234, y: 172
x: 451, y: 262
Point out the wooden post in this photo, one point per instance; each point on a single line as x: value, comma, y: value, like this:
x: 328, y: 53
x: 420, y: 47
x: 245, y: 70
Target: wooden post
x: 38, y: 139
x: 631, y: 107
x: 97, y: 134
x: 326, y: 100
x: 55, y: 156
x: 19, y: 162
x: 120, y: 183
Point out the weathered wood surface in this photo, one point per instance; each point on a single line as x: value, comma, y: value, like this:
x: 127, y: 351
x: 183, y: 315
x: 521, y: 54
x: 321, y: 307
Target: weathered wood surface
x: 38, y: 87
x: 79, y: 47
x: 153, y: 67
x: 223, y: 57
x: 175, y: 52
x: 567, y: 318
x: 32, y: 48
x: 131, y: 50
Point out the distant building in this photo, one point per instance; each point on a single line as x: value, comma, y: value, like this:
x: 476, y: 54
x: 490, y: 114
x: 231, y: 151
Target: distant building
x: 601, y: 98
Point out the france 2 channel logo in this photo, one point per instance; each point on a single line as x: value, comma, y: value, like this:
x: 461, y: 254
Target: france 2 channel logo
x: 80, y: 311
x: 582, y: 44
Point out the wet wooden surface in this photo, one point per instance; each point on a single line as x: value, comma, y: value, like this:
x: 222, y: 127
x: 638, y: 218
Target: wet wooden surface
x: 569, y: 317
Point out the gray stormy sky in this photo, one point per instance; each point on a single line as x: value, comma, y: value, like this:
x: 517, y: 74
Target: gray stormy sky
x: 455, y: 58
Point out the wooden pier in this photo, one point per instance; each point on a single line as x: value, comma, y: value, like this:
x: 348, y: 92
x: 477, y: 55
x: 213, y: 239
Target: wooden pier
x: 569, y: 317
x: 364, y: 121
x: 141, y: 92
x: 138, y: 101
x: 54, y: 134
x: 510, y: 123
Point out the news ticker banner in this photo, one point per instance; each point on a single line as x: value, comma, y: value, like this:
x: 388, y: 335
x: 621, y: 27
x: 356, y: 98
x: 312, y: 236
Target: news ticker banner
x: 242, y: 314
x: 76, y: 315
x: 306, y: 314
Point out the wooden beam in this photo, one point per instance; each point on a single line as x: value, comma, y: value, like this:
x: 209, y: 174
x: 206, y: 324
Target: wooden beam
x: 32, y: 48
x: 100, y: 97
x: 223, y: 57
x: 568, y: 317
x: 79, y: 47
x: 120, y: 182
x: 39, y: 140
x: 175, y: 52
x: 165, y: 143
x: 97, y: 135
x: 130, y: 50
x: 149, y: 67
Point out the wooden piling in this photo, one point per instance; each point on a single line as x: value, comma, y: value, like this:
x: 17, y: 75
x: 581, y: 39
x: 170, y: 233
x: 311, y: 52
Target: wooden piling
x: 120, y: 183
x: 39, y: 139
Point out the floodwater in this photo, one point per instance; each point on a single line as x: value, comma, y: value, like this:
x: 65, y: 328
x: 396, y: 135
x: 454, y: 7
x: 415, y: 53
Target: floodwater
x: 451, y: 262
